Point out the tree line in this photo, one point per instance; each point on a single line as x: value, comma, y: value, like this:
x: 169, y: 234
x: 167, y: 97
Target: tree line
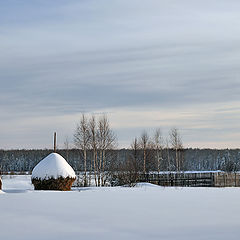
x: 97, y: 157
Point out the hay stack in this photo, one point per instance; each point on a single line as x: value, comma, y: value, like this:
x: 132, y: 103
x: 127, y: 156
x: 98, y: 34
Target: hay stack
x: 0, y: 183
x: 53, y: 173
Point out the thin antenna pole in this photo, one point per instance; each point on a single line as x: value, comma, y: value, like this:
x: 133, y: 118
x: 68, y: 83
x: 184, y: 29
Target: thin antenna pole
x: 55, y: 142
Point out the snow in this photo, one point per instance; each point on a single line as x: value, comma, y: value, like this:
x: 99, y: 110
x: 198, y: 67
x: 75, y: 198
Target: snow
x: 139, y: 213
x: 145, y: 185
x: 53, y: 166
x: 174, y: 172
x: 16, y: 183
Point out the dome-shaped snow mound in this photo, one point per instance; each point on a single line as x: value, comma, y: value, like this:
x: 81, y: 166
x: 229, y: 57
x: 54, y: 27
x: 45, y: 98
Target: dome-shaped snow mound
x: 53, y: 166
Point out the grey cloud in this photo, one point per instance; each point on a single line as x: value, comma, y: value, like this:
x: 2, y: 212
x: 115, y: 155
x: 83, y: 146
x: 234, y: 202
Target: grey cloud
x: 83, y: 56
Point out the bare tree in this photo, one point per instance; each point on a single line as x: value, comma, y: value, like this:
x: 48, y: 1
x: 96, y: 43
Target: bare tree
x: 158, y: 147
x: 81, y: 140
x: 144, y: 141
x: 168, y: 155
x: 67, y: 146
x: 135, y: 149
x: 94, y: 146
x: 134, y: 164
x: 176, y: 142
x: 126, y: 171
x: 106, y: 141
x: 95, y: 139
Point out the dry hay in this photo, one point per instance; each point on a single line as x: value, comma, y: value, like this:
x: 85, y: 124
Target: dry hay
x: 61, y: 184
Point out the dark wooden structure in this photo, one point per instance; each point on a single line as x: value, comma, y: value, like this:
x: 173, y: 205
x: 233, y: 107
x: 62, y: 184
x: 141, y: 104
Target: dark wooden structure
x: 193, y: 179
x: 60, y: 184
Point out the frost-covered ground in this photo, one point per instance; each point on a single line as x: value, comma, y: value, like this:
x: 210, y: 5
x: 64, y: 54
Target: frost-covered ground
x: 145, y: 212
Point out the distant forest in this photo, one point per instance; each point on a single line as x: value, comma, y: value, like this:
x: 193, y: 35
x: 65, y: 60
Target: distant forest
x: 191, y: 159
x: 96, y: 153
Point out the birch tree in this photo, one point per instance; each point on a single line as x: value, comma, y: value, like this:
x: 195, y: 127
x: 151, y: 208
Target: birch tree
x: 168, y: 155
x: 94, y: 146
x: 135, y: 149
x: 158, y: 147
x: 134, y: 160
x: 176, y: 142
x: 81, y: 141
x: 106, y: 141
x: 144, y: 141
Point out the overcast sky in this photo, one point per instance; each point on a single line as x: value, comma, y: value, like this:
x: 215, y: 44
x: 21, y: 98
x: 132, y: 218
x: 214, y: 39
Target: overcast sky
x: 147, y: 64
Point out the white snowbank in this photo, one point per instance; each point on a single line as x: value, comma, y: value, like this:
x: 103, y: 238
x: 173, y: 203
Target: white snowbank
x: 118, y: 213
x: 12, y: 183
x: 146, y: 185
x: 122, y: 213
x: 53, y: 166
x: 196, y: 171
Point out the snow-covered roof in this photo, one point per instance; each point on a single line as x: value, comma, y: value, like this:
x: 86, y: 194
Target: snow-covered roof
x: 53, y: 166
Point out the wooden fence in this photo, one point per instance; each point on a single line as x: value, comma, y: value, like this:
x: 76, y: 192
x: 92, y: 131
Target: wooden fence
x: 193, y: 179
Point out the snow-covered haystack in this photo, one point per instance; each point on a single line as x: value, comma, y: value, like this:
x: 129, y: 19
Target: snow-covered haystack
x: 53, y: 173
x: 0, y: 183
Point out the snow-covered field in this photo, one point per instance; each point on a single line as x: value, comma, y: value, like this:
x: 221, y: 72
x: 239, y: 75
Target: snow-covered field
x: 144, y: 212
